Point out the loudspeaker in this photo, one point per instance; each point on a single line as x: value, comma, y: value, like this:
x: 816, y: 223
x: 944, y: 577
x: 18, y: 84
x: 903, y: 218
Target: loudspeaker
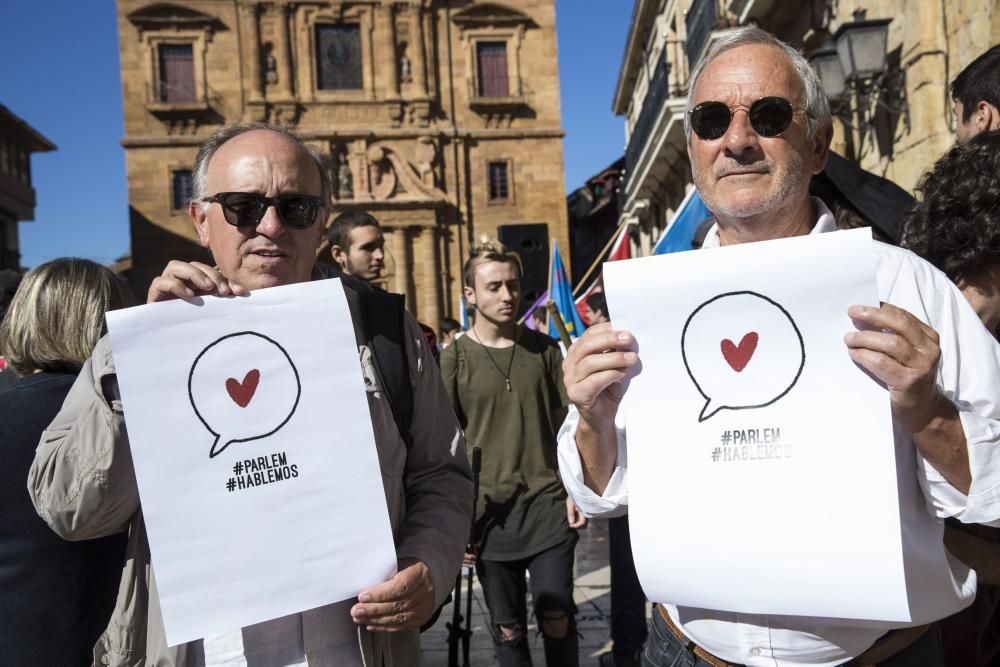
x: 531, y: 243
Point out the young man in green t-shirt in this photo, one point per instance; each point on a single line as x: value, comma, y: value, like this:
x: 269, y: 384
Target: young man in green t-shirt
x: 505, y: 382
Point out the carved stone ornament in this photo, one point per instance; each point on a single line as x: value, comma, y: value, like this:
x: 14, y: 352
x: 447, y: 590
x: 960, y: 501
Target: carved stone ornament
x: 378, y: 172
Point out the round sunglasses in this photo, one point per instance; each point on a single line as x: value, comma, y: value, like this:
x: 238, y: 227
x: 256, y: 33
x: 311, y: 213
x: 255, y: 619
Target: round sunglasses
x: 246, y: 209
x: 769, y: 117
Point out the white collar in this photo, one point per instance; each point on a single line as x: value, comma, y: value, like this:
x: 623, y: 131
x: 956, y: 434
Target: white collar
x: 825, y: 222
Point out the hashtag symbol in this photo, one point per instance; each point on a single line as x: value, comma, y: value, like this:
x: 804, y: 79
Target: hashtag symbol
x: 716, y: 453
x: 238, y: 468
x: 726, y: 437
x: 231, y: 484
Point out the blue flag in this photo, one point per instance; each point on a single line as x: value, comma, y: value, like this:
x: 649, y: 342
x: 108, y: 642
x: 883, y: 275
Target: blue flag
x: 561, y: 293
x: 678, y: 235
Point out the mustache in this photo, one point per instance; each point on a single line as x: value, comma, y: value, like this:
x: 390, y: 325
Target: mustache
x: 764, y: 166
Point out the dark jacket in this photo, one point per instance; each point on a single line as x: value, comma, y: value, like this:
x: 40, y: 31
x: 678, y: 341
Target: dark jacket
x: 55, y: 596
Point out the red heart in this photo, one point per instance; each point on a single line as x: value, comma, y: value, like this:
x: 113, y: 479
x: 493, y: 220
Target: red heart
x: 242, y: 392
x: 738, y: 356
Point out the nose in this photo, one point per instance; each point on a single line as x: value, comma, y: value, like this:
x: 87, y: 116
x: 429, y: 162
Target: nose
x: 740, y: 138
x: 378, y: 255
x: 270, y: 225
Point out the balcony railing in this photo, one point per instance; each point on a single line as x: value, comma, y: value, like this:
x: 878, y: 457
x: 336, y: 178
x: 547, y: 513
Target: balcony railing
x: 164, y: 98
x: 669, y: 81
x: 486, y: 95
x: 701, y: 20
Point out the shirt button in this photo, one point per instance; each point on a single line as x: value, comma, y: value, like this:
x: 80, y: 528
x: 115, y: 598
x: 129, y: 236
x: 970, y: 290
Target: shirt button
x: 105, y: 660
x: 755, y: 652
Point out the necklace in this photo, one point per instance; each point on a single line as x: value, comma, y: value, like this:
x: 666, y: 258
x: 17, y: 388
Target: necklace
x: 510, y: 364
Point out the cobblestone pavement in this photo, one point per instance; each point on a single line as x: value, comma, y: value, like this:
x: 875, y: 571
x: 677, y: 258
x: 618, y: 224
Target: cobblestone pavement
x: 592, y: 594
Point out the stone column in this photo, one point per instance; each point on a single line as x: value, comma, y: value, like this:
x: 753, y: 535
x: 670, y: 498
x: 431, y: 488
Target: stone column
x: 404, y: 267
x: 385, y: 36
x: 251, y: 48
x: 417, y: 59
x: 283, y: 53
x: 430, y: 304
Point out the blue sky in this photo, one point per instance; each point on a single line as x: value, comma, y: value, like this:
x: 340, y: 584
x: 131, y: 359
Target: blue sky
x: 60, y: 74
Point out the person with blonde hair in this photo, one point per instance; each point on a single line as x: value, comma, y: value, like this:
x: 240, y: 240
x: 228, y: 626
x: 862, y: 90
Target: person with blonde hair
x: 505, y: 382
x: 56, y: 597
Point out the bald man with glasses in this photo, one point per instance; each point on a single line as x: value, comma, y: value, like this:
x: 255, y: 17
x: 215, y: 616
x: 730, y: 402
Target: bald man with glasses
x: 261, y: 200
x: 759, y: 128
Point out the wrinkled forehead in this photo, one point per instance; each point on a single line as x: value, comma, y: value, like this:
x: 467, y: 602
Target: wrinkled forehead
x: 263, y: 161
x: 746, y: 73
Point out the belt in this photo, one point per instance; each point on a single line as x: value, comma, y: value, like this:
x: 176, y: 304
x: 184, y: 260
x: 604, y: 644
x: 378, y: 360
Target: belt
x: 890, y: 645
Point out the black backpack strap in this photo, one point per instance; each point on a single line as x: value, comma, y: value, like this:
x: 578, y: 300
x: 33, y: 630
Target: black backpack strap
x: 380, y: 324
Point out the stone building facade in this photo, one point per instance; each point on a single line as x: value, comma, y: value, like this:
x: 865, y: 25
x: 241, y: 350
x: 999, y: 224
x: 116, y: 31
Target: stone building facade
x: 18, y: 141
x: 910, y: 111
x: 440, y: 117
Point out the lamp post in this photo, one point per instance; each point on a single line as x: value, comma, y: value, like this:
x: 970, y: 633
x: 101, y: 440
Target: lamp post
x: 854, y: 66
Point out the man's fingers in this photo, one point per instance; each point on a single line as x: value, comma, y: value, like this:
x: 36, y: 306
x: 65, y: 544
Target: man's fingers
x: 583, y: 391
x: 895, y: 319
x: 882, y: 366
x: 890, y: 344
x: 187, y: 279
x: 598, y: 339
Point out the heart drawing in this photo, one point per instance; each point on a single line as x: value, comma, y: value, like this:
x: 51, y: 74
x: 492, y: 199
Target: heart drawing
x: 242, y: 392
x: 738, y: 356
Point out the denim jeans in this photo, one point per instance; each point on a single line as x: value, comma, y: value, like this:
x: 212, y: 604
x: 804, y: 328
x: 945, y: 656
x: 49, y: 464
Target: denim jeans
x: 505, y: 588
x: 664, y: 649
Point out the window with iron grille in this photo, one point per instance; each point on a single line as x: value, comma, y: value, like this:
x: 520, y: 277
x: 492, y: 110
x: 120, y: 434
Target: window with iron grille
x: 176, y: 73
x: 491, y: 64
x: 499, y: 181
x: 338, y: 57
x: 182, y: 188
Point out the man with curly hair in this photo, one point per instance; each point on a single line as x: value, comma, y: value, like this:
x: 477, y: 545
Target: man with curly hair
x: 976, y: 93
x: 956, y: 226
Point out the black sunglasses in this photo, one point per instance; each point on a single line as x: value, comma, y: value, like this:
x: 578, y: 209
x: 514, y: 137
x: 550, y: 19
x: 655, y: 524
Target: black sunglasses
x: 769, y: 117
x: 246, y: 209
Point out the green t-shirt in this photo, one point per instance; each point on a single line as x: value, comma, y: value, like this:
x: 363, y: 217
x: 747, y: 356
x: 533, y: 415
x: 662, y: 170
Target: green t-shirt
x: 521, y: 508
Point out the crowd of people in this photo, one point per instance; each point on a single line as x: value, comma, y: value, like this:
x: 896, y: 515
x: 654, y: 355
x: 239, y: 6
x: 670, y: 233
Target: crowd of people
x: 77, y: 584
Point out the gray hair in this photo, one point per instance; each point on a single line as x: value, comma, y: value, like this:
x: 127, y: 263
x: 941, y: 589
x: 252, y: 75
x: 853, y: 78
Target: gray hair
x: 817, y: 107
x: 199, y: 176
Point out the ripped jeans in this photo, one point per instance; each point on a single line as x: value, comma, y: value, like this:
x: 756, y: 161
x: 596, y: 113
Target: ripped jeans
x: 505, y: 588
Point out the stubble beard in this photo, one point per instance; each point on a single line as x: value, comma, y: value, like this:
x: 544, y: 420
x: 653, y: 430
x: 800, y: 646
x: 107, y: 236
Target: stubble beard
x: 781, y: 190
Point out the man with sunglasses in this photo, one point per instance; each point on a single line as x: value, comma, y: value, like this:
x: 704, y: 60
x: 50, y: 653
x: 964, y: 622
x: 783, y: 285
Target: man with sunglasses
x: 260, y: 202
x: 758, y: 128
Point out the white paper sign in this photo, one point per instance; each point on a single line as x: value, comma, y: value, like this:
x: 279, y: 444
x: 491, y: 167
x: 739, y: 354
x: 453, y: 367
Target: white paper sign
x: 254, y: 455
x: 761, y: 463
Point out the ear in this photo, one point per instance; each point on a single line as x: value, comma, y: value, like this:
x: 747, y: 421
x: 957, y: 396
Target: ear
x: 199, y: 216
x: 821, y: 145
x: 339, y: 256
x: 987, y: 117
x: 470, y: 295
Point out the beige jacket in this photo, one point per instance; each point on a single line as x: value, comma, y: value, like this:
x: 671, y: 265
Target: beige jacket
x: 83, y: 485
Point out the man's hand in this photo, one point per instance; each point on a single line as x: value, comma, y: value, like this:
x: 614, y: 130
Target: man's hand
x: 469, y: 557
x: 404, y: 602
x: 595, y: 371
x: 188, y: 279
x: 903, y: 353
x: 574, y: 516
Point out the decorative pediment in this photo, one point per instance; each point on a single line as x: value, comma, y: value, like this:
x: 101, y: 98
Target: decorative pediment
x: 163, y: 15
x: 491, y: 14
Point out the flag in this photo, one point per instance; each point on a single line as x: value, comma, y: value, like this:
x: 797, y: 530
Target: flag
x: 527, y: 320
x: 619, y: 249
x: 561, y: 294
x: 679, y: 232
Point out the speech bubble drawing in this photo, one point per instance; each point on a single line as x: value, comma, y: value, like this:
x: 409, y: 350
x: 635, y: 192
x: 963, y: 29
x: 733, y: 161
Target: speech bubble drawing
x: 243, y: 387
x: 742, y: 350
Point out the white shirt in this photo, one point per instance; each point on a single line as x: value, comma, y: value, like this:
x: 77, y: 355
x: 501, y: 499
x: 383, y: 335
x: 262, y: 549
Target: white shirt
x: 937, y: 584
